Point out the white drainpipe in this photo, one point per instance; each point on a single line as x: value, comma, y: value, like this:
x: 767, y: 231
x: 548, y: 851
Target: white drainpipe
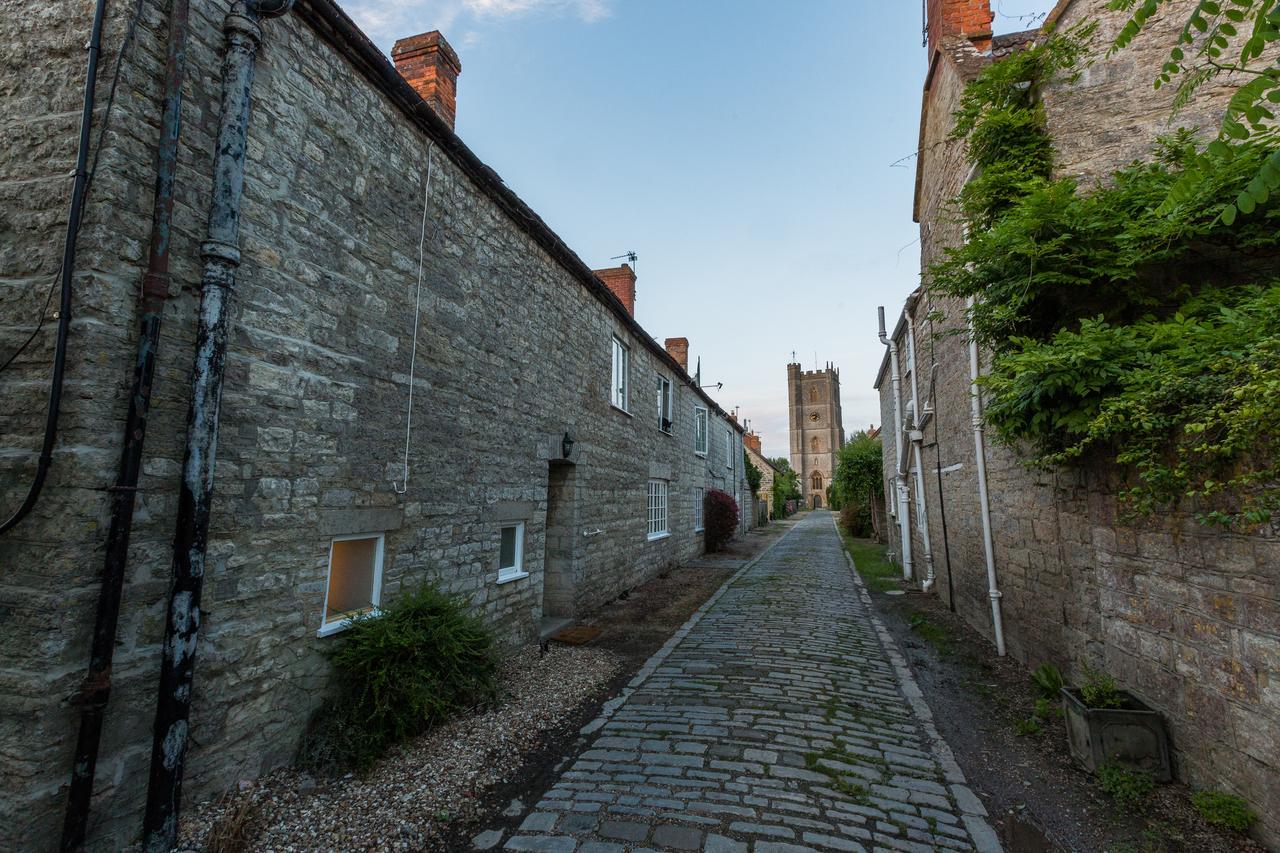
x: 917, y: 442
x: 975, y: 397
x: 904, y: 523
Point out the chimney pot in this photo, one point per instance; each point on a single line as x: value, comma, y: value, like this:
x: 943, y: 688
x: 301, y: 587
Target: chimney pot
x: 969, y: 19
x: 431, y: 67
x: 753, y: 441
x: 622, y: 282
x: 678, y: 348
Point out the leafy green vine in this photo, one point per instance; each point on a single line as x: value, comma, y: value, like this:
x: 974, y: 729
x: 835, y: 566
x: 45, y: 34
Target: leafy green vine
x: 1140, y: 319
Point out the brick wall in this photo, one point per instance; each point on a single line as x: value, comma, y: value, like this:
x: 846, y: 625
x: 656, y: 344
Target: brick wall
x: 513, y: 352
x: 1185, y: 616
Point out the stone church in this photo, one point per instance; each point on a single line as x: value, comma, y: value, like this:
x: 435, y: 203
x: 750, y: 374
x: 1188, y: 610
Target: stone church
x: 817, y: 431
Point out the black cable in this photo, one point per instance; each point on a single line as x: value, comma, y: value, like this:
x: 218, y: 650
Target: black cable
x: 66, y: 269
x: 88, y: 183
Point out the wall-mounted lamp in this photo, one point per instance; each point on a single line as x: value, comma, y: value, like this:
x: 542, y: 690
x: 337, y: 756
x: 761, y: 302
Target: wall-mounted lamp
x: 566, y: 446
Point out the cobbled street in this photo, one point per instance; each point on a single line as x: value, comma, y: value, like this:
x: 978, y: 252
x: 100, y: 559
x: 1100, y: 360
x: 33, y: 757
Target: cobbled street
x: 781, y: 718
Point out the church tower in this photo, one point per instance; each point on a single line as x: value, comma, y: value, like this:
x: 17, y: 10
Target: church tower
x: 817, y: 431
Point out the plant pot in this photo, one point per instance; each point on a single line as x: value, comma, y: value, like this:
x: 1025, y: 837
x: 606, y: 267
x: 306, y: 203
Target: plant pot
x: 1132, y: 736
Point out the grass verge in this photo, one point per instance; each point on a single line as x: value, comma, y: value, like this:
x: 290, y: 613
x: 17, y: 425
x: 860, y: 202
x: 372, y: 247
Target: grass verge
x: 869, y: 559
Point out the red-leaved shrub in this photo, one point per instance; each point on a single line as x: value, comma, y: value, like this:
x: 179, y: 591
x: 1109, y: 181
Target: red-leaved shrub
x: 720, y: 517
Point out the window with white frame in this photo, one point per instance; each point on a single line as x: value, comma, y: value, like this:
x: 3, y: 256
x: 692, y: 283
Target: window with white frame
x: 664, y: 404
x: 354, y: 588
x: 728, y: 448
x: 699, y: 499
x: 657, y: 506
x: 621, y: 390
x: 511, y: 552
x: 700, y: 432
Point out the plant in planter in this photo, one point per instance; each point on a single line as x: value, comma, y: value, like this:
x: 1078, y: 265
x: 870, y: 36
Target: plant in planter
x: 1110, y: 726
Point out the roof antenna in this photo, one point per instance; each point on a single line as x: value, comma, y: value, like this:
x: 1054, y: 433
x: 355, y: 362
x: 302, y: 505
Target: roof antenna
x: 630, y: 256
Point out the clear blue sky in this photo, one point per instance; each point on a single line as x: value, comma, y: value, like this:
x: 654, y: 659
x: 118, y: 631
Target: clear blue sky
x: 744, y: 149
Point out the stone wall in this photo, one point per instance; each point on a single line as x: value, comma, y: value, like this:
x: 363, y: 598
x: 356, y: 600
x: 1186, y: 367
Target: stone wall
x: 513, y: 352
x: 1185, y: 616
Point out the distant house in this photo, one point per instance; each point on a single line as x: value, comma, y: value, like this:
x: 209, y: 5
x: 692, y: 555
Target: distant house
x: 764, y: 495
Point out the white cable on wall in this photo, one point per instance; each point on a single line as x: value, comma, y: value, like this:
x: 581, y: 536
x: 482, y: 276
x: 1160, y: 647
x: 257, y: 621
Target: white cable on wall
x: 403, y: 487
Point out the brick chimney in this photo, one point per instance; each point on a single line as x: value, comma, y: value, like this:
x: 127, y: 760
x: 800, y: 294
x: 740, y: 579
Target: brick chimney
x: 622, y: 281
x: 970, y: 19
x: 753, y: 441
x: 678, y: 348
x: 430, y: 66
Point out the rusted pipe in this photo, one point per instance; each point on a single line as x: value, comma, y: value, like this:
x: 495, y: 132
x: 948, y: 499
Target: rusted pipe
x: 95, y: 690
x: 221, y: 254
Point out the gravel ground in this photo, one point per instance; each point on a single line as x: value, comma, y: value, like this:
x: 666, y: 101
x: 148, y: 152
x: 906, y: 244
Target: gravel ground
x: 412, y: 797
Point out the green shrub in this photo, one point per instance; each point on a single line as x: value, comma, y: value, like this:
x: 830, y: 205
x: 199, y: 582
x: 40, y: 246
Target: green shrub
x: 1126, y: 788
x: 1225, y: 810
x: 720, y: 518
x: 855, y: 518
x: 1047, y: 708
x: 1028, y: 726
x: 1099, y: 690
x: 419, y: 662
x: 1048, y: 680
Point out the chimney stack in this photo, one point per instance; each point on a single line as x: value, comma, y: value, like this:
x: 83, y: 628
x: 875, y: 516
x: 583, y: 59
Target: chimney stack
x: 753, y: 441
x: 678, y: 348
x: 431, y: 67
x: 969, y: 19
x: 622, y: 281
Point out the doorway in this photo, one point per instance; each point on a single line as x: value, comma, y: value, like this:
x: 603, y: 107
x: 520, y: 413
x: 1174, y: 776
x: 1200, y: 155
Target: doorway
x: 561, y: 561
x: 817, y: 501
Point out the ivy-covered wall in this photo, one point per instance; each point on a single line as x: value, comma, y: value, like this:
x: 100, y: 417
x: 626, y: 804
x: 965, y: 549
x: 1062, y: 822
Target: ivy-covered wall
x: 1185, y: 615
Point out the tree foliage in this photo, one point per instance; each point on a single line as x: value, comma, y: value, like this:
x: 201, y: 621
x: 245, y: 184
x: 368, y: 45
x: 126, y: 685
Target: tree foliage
x: 753, y: 473
x: 1137, y: 320
x: 786, y: 486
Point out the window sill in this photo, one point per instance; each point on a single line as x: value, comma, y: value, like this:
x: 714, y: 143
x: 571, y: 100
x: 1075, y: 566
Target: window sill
x: 701, y: 454
x: 330, y: 628
x: 514, y: 576
x: 666, y: 432
x: 699, y: 529
x: 654, y: 537
x: 618, y: 408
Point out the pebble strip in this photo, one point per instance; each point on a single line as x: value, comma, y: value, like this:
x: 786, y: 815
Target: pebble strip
x: 781, y: 718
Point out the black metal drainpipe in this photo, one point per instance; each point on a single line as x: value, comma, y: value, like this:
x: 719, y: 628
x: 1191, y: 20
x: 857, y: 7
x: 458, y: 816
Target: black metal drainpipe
x: 96, y: 687
x: 221, y: 254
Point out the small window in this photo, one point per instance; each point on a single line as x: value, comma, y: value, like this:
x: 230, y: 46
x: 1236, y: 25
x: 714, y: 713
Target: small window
x: 699, y: 499
x: 658, y: 509
x: 701, y: 434
x: 728, y: 448
x: 511, y: 553
x: 664, y: 404
x: 817, y: 481
x: 813, y: 444
x: 355, y: 581
x: 621, y: 375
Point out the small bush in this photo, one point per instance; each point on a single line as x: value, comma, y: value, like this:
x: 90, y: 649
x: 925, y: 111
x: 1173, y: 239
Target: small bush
x: 421, y: 661
x: 1126, y: 788
x: 1047, y: 709
x: 1099, y: 690
x: 1028, y: 726
x: 720, y: 517
x: 1225, y: 810
x: 855, y: 518
x: 1048, y: 680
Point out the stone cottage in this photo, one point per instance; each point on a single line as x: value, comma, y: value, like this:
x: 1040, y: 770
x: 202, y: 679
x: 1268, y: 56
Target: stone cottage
x: 764, y: 495
x: 1184, y: 616
x: 419, y: 382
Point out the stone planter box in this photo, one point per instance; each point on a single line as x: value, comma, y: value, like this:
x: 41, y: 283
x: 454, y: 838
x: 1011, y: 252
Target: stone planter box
x: 1132, y: 736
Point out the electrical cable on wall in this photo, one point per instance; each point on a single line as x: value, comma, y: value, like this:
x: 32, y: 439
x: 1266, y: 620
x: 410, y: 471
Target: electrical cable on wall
x: 403, y: 486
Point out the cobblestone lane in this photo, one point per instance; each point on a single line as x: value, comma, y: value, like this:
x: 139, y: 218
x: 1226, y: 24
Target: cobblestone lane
x: 781, y: 718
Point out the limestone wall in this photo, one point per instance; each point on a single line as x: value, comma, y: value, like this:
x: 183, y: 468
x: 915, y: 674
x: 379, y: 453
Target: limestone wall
x: 1186, y: 616
x: 513, y: 351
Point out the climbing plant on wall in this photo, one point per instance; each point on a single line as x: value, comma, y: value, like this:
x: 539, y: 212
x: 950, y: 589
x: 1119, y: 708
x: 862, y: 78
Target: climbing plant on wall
x: 1136, y: 320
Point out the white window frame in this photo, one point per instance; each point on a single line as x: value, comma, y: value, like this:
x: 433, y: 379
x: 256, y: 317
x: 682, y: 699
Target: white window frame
x: 699, y: 501
x: 514, y: 572
x: 657, y: 519
x: 728, y: 448
x: 332, y: 626
x: 666, y: 414
x: 620, y: 383
x: 701, y: 430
